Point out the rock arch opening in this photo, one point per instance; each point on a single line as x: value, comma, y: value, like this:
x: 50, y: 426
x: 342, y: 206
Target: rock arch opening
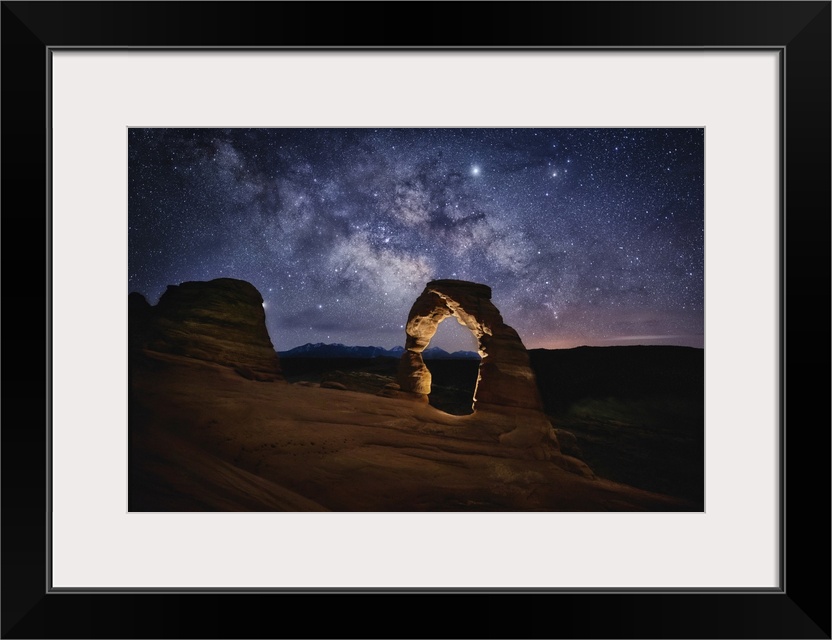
x: 453, y: 361
x: 505, y: 377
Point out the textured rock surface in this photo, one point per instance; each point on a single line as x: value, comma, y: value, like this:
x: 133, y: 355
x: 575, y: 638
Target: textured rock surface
x: 505, y: 381
x: 505, y: 377
x: 220, y: 321
x: 569, y: 444
x: 204, y: 439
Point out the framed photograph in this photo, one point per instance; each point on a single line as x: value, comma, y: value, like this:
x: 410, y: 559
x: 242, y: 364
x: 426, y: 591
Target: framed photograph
x: 101, y: 96
x: 433, y: 295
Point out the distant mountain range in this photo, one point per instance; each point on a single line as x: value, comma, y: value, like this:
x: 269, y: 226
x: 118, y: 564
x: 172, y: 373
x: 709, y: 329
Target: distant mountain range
x: 321, y: 350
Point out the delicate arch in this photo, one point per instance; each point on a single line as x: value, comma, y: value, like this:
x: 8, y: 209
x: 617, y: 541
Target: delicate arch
x: 505, y: 376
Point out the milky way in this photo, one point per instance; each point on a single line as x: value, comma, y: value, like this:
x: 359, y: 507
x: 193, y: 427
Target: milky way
x: 586, y: 236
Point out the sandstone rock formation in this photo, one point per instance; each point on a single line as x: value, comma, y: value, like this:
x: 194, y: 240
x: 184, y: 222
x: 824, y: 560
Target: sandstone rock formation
x: 220, y: 321
x: 506, y: 398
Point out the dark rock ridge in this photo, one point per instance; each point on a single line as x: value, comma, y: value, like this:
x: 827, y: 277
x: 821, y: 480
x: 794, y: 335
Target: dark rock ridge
x: 219, y: 321
x: 565, y: 376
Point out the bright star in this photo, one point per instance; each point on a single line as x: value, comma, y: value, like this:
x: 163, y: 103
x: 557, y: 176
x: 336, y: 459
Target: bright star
x: 475, y: 170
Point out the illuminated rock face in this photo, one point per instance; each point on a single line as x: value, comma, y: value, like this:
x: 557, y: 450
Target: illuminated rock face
x: 505, y: 377
x: 506, y: 402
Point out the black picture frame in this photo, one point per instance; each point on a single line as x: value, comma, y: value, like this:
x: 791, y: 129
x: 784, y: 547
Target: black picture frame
x: 800, y: 608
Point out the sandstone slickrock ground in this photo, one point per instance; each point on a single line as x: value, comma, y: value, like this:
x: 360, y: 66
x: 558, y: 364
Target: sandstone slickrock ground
x: 202, y: 438
x: 207, y: 434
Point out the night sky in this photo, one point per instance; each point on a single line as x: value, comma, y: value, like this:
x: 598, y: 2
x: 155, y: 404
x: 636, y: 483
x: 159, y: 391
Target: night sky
x: 586, y: 236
